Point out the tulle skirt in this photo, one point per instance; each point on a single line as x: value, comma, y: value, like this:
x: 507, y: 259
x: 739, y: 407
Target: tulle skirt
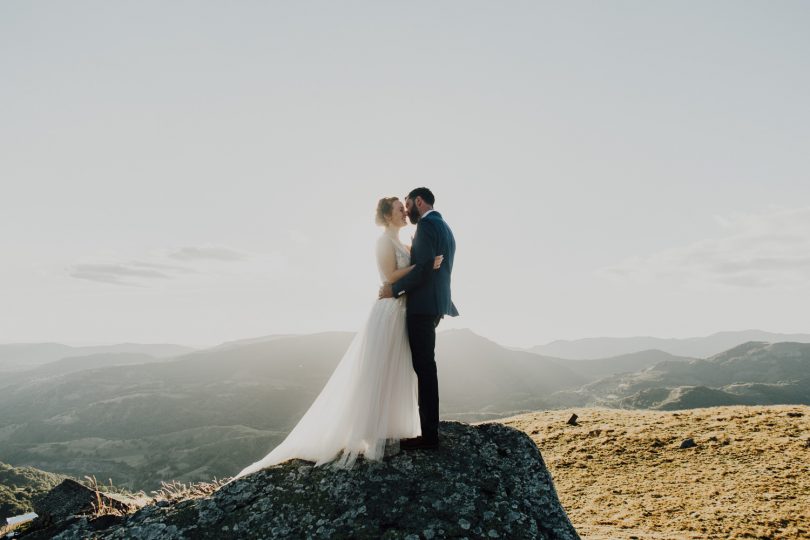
x: 370, y: 399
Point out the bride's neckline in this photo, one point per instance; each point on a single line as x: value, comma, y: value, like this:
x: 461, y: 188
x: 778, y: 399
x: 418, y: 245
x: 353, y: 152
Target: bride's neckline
x: 396, y: 241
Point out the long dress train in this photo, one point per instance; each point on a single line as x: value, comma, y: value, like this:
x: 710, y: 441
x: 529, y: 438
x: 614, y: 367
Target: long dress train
x: 370, y: 398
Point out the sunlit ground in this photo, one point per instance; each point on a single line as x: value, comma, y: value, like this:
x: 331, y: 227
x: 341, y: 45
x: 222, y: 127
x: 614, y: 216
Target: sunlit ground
x: 622, y: 474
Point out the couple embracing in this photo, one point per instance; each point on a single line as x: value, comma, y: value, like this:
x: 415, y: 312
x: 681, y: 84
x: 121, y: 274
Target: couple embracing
x: 385, y: 388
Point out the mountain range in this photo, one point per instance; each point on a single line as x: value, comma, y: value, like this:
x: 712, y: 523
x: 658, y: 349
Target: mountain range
x: 141, y: 419
x: 209, y: 412
x: 21, y: 356
x: 755, y: 373
x: 696, y: 347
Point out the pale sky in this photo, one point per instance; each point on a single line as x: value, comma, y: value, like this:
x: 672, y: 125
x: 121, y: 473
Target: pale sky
x: 196, y: 172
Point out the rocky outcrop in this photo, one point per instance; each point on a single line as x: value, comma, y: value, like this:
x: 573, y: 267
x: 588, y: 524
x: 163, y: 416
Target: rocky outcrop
x: 71, y: 498
x: 485, y: 481
x: 63, y: 506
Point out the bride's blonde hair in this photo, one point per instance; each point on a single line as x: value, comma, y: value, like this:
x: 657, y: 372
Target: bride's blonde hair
x: 384, y: 208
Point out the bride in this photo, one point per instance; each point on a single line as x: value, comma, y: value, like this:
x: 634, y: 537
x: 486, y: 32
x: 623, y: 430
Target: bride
x: 370, y: 399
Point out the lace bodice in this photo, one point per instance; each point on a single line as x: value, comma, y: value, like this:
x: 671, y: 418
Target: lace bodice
x: 402, y: 254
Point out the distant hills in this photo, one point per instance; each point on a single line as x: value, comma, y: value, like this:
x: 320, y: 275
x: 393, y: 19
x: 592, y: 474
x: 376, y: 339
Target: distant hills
x: 754, y: 373
x: 74, y: 363
x: 210, y: 412
x: 698, y: 347
x: 18, y: 356
x: 624, y: 363
x: 139, y: 419
x: 479, y: 379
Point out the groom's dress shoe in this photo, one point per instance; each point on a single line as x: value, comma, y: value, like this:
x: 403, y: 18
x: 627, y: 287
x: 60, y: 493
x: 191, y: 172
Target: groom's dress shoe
x: 419, y: 443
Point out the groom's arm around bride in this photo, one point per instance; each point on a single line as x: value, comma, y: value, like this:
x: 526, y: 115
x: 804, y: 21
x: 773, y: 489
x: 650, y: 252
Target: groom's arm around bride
x: 428, y: 289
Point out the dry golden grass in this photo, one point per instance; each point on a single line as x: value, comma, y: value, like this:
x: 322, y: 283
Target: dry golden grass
x: 175, y: 491
x: 172, y: 492
x: 621, y: 474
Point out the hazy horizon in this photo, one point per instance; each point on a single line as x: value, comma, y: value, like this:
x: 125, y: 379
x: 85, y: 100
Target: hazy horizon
x: 440, y: 330
x: 197, y: 173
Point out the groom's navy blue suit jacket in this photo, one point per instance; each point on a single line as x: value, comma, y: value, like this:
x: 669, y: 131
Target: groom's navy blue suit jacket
x: 429, y: 290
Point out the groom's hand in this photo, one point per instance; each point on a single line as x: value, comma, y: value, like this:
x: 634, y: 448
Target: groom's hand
x: 385, y: 291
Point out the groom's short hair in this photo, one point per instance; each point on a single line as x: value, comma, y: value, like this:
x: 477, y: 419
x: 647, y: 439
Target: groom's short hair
x: 423, y: 192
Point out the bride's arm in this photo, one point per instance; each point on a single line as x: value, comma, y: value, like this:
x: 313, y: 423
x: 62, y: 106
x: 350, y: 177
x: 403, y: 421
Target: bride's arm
x: 387, y: 261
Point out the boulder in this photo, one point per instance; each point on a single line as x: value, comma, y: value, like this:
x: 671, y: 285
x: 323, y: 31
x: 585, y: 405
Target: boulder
x: 70, y: 498
x: 485, y: 481
x: 688, y: 443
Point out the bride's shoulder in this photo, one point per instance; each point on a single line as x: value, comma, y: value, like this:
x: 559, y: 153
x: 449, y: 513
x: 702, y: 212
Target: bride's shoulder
x: 384, y: 243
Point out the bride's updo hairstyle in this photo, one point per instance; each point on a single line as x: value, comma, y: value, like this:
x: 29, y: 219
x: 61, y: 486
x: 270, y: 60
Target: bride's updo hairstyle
x: 384, y: 208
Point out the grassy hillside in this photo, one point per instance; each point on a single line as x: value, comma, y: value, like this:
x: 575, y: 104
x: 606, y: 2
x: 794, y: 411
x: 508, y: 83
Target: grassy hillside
x: 622, y: 475
x: 18, y: 487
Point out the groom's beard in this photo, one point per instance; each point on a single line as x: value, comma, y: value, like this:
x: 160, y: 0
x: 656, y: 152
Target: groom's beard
x: 413, y: 215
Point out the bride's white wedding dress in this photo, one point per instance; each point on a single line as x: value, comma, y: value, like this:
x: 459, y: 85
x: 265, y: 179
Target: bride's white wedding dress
x: 370, y: 398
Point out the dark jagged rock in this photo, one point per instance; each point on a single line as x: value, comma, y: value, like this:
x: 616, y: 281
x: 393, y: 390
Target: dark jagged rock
x: 688, y: 443
x: 64, y: 505
x: 19, y: 486
x: 573, y: 420
x: 71, y: 498
x: 485, y: 481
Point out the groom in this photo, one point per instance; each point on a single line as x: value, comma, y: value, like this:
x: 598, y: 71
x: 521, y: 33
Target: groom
x: 427, y: 302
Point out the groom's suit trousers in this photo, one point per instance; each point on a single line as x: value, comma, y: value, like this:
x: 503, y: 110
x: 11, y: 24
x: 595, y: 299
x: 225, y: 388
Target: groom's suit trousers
x: 422, y: 338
